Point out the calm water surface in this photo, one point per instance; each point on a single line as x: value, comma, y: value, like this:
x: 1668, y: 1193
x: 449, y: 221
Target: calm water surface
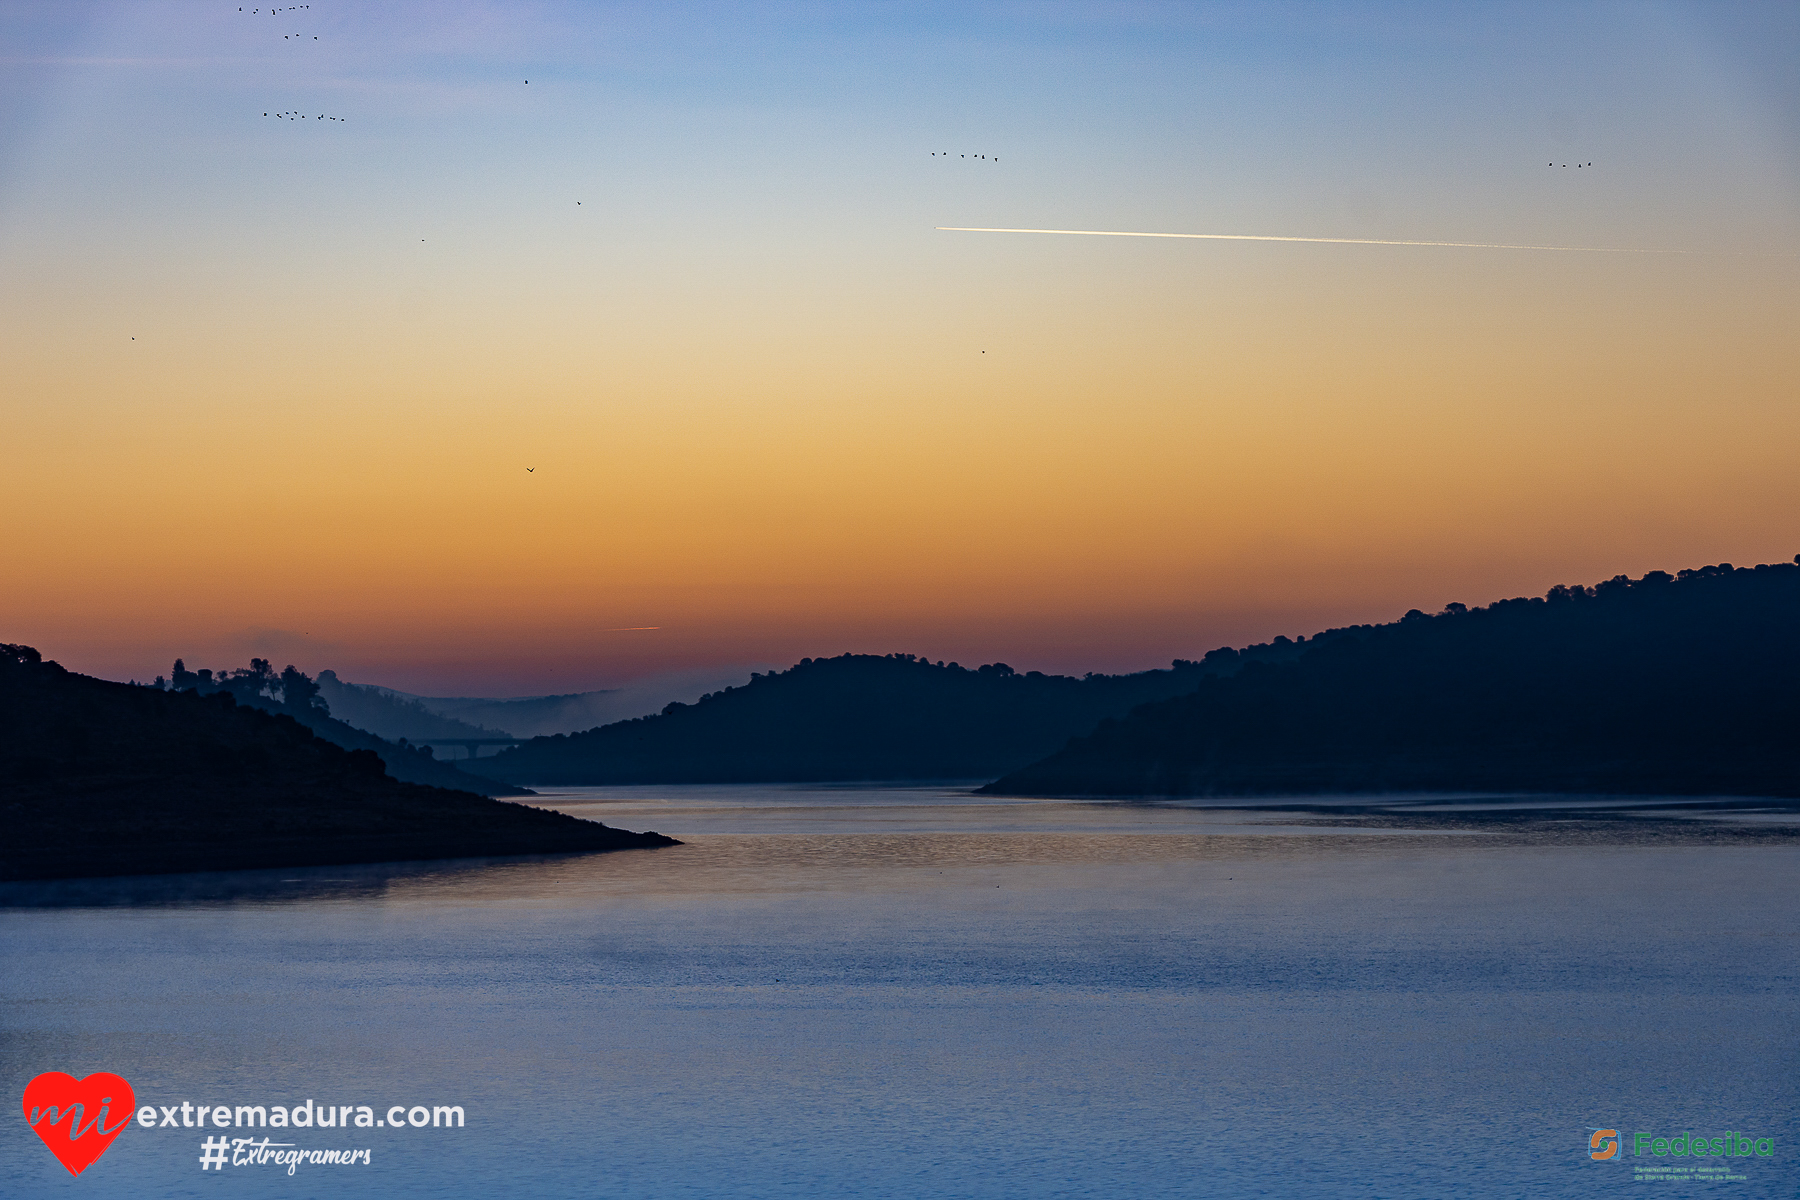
x: 918, y: 993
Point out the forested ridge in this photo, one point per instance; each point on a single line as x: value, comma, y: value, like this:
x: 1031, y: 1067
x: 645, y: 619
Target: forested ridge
x: 1686, y: 684
x: 858, y: 717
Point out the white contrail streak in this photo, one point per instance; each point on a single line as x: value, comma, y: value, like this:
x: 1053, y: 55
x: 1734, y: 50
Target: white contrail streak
x: 1263, y: 237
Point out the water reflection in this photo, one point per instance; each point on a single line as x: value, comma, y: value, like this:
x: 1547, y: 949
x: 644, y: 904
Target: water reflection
x: 921, y: 993
x: 806, y: 837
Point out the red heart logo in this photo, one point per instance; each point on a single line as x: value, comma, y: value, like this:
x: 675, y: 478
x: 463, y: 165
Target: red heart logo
x: 73, y: 1116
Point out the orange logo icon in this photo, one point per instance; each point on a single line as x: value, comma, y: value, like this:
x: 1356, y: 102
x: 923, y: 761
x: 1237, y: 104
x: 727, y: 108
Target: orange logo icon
x: 1604, y: 1143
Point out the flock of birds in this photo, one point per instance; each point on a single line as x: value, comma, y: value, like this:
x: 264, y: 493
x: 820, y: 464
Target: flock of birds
x: 297, y: 37
x: 298, y: 116
x: 291, y: 8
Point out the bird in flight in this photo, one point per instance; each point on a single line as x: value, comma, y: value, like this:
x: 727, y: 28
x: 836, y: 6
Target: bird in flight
x: 530, y: 469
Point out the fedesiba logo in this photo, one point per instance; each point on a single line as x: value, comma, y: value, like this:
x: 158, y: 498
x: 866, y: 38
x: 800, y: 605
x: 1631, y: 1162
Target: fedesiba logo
x: 1605, y: 1143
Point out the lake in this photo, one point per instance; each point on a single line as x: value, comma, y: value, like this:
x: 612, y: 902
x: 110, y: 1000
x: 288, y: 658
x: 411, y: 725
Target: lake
x: 914, y: 992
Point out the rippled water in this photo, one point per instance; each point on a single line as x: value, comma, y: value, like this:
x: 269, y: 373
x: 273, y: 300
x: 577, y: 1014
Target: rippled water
x: 917, y: 993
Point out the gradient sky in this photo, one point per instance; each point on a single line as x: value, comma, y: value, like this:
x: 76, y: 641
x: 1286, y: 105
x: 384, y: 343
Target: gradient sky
x: 774, y: 413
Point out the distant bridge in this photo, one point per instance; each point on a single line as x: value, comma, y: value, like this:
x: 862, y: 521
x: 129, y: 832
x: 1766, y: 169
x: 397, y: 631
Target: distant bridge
x: 471, y: 746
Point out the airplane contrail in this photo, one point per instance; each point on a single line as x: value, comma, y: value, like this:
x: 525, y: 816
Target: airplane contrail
x: 629, y: 628
x: 1263, y: 237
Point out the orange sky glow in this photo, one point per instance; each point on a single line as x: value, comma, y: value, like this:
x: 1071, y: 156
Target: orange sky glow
x: 287, y: 407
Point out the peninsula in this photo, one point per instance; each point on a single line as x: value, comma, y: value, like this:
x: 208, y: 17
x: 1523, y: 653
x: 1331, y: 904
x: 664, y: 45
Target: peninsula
x: 105, y: 778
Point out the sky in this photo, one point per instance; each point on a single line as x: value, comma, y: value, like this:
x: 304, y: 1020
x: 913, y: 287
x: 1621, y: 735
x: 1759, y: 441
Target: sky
x: 661, y: 361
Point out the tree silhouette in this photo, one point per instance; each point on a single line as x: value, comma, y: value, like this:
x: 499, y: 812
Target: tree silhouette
x: 299, y: 693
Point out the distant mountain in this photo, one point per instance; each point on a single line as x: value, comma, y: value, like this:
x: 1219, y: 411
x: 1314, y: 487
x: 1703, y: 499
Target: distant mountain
x: 105, y: 778
x: 394, y: 715
x: 535, y: 716
x: 856, y: 717
x: 1675, y: 685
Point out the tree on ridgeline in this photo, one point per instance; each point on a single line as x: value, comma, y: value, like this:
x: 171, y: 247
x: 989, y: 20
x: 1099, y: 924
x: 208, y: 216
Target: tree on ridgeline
x: 299, y: 693
x: 257, y: 685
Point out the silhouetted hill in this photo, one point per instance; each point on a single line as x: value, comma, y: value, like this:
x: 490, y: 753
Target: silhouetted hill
x: 414, y: 764
x: 1686, y: 685
x: 292, y: 693
x: 857, y: 716
x: 100, y: 778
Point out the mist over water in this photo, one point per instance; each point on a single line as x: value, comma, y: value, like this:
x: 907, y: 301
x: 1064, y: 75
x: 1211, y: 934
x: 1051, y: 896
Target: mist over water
x: 912, y: 992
